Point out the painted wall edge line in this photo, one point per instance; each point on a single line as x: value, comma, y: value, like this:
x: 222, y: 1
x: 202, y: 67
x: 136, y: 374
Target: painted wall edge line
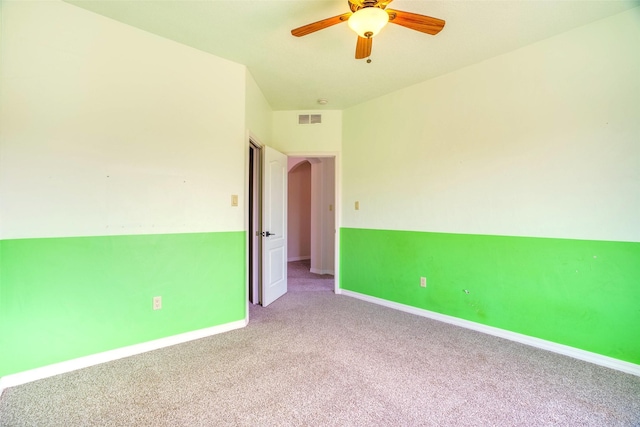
x: 111, y: 355
x: 587, y: 356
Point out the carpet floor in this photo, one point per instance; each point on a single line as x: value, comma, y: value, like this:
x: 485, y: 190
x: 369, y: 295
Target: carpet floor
x: 313, y: 358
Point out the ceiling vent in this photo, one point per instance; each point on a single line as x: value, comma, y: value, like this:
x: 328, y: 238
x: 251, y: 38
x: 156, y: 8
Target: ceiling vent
x: 309, y: 119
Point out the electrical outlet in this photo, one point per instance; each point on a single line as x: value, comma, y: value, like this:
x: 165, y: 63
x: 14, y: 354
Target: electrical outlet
x: 157, y: 303
x: 423, y: 282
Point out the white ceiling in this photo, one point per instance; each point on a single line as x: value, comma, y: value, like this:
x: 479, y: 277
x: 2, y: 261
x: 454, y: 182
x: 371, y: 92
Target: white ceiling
x: 294, y: 72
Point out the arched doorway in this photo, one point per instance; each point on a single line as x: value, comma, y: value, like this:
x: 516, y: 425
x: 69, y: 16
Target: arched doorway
x: 311, y: 212
x: 299, y: 212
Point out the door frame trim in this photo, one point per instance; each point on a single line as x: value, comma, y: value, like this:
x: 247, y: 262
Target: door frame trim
x: 251, y: 141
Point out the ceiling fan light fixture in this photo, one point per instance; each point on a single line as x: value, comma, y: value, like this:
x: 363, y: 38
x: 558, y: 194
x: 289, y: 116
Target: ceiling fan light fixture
x: 368, y: 22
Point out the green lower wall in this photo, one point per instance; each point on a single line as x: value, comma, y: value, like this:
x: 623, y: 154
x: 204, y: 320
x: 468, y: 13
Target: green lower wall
x: 63, y: 298
x: 580, y: 293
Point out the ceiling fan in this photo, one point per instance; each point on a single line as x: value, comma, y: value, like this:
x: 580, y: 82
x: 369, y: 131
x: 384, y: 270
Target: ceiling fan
x: 368, y: 17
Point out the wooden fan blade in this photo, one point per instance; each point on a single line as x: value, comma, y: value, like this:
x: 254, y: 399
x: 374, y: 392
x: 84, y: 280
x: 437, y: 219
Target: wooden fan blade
x: 320, y: 25
x: 363, y: 47
x: 422, y: 23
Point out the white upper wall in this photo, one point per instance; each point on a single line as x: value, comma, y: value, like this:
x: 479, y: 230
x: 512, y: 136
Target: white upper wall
x: 543, y: 141
x: 259, y: 117
x: 107, y: 129
x: 291, y: 137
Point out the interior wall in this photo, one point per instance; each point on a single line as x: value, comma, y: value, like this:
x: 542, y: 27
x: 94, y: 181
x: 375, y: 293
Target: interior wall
x: 290, y: 137
x: 512, y: 185
x: 538, y: 142
x: 329, y: 212
x: 259, y: 116
x: 119, y: 153
x: 320, y: 143
x: 299, y: 212
x: 323, y: 215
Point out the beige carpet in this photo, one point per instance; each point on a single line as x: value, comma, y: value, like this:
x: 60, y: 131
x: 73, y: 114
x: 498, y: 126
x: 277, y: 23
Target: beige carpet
x: 314, y: 358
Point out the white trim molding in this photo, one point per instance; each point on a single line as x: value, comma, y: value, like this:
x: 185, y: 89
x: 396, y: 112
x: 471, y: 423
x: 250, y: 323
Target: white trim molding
x: 318, y: 271
x: 298, y: 258
x: 111, y: 355
x: 576, y: 353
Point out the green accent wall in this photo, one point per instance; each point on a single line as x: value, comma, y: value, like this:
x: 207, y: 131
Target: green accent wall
x: 580, y: 293
x: 63, y: 298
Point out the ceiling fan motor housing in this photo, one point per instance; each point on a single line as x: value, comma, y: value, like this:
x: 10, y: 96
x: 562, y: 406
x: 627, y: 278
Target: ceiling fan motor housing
x: 356, y: 5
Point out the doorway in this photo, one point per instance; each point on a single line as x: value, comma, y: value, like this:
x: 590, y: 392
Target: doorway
x: 255, y: 223
x: 322, y: 250
x: 266, y: 224
x: 299, y: 211
x: 312, y: 224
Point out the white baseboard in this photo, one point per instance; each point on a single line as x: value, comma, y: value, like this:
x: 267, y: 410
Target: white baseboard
x: 317, y: 271
x: 108, y: 356
x: 587, y: 356
x: 298, y: 258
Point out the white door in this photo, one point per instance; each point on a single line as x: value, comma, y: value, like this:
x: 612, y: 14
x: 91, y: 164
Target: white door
x: 274, y: 226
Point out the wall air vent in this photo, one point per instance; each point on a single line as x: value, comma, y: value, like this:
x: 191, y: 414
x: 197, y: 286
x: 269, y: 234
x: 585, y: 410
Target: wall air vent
x: 306, y: 119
